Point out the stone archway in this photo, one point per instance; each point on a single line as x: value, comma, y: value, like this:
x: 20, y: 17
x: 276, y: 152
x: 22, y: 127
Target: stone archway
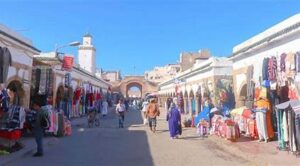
x: 146, y: 87
x: 131, y: 93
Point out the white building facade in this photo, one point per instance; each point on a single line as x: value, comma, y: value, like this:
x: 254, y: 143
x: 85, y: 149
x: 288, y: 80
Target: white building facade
x: 19, y: 73
x: 161, y: 74
x: 199, y: 82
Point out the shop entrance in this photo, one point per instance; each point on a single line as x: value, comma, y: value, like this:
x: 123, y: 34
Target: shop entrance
x: 242, y: 96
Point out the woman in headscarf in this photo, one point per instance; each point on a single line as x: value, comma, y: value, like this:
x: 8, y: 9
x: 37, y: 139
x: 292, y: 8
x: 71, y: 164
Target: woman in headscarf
x: 174, y: 120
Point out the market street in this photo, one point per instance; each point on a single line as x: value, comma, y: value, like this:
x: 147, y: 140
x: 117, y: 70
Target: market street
x: 136, y: 146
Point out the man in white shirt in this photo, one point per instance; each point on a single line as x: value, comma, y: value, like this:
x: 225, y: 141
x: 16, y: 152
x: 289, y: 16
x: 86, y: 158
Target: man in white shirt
x: 120, y: 109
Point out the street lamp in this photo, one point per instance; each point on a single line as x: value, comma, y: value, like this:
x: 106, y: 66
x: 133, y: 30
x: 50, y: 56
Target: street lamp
x: 71, y: 44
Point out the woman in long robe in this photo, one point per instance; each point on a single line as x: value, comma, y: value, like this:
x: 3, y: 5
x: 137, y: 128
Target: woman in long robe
x: 174, y: 120
x: 104, y: 108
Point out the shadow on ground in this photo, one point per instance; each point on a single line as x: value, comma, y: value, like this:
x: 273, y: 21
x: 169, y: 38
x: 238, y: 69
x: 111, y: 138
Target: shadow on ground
x: 106, y: 145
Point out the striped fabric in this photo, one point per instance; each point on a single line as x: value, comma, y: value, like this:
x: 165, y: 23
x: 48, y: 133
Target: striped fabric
x: 296, y: 109
x: 272, y: 68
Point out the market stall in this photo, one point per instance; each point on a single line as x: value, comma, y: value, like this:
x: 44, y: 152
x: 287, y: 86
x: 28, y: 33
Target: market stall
x: 288, y: 115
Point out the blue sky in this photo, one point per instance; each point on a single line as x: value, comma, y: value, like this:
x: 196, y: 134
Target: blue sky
x: 144, y: 33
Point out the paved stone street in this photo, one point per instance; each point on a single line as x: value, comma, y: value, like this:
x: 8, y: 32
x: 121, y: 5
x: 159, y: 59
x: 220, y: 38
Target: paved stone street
x: 136, y: 146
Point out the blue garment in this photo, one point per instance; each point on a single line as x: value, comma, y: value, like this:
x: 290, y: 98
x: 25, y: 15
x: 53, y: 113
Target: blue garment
x: 205, y: 114
x: 39, y: 142
x: 174, y: 120
x: 4, y: 100
x: 121, y: 120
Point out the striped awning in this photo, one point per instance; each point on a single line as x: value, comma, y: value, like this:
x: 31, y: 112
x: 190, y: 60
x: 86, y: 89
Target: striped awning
x: 294, y: 104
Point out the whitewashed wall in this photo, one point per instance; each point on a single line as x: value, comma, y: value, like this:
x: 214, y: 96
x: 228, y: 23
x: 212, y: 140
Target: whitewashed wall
x: 288, y: 44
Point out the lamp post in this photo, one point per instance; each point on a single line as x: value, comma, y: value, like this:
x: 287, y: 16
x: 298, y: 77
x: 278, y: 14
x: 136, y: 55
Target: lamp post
x: 71, y: 44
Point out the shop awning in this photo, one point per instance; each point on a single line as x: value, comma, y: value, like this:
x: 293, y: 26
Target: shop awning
x: 291, y: 103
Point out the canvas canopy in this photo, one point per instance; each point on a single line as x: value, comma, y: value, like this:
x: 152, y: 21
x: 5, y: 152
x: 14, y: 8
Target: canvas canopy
x: 291, y: 103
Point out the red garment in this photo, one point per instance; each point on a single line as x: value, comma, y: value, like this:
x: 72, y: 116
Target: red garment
x: 77, y: 95
x: 292, y: 94
x: 98, y: 96
x: 68, y: 62
x: 247, y: 113
x: 91, y: 99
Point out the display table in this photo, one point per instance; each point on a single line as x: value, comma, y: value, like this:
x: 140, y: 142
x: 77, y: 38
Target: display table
x: 13, y: 135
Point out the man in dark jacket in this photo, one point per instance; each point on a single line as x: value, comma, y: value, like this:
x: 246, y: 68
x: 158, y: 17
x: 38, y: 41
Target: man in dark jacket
x: 38, y: 130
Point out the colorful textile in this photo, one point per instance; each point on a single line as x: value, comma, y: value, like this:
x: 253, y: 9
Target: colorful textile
x: 272, y: 68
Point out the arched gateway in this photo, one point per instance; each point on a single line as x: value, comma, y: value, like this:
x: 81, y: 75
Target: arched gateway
x: 139, y: 82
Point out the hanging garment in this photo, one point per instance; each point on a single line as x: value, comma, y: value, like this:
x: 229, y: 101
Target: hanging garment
x: 285, y: 127
x: 272, y: 68
x: 5, y: 62
x: 50, y: 82
x: 281, y: 143
x: 37, y: 80
x: 43, y: 82
x: 68, y: 79
x: 282, y: 62
x: 284, y: 94
x: 292, y: 140
x: 265, y: 69
x: 297, y: 59
x: 292, y: 93
x: 290, y: 65
x: 76, y: 96
x: 297, y: 129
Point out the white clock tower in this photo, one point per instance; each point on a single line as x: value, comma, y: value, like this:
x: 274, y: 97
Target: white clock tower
x: 86, y: 55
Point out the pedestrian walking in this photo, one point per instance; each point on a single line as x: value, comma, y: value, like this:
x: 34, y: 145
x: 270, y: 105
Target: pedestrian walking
x: 40, y: 123
x: 126, y: 102
x: 152, y: 113
x: 144, y: 111
x: 174, y: 120
x: 120, y: 109
x: 104, y: 108
x: 167, y: 106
